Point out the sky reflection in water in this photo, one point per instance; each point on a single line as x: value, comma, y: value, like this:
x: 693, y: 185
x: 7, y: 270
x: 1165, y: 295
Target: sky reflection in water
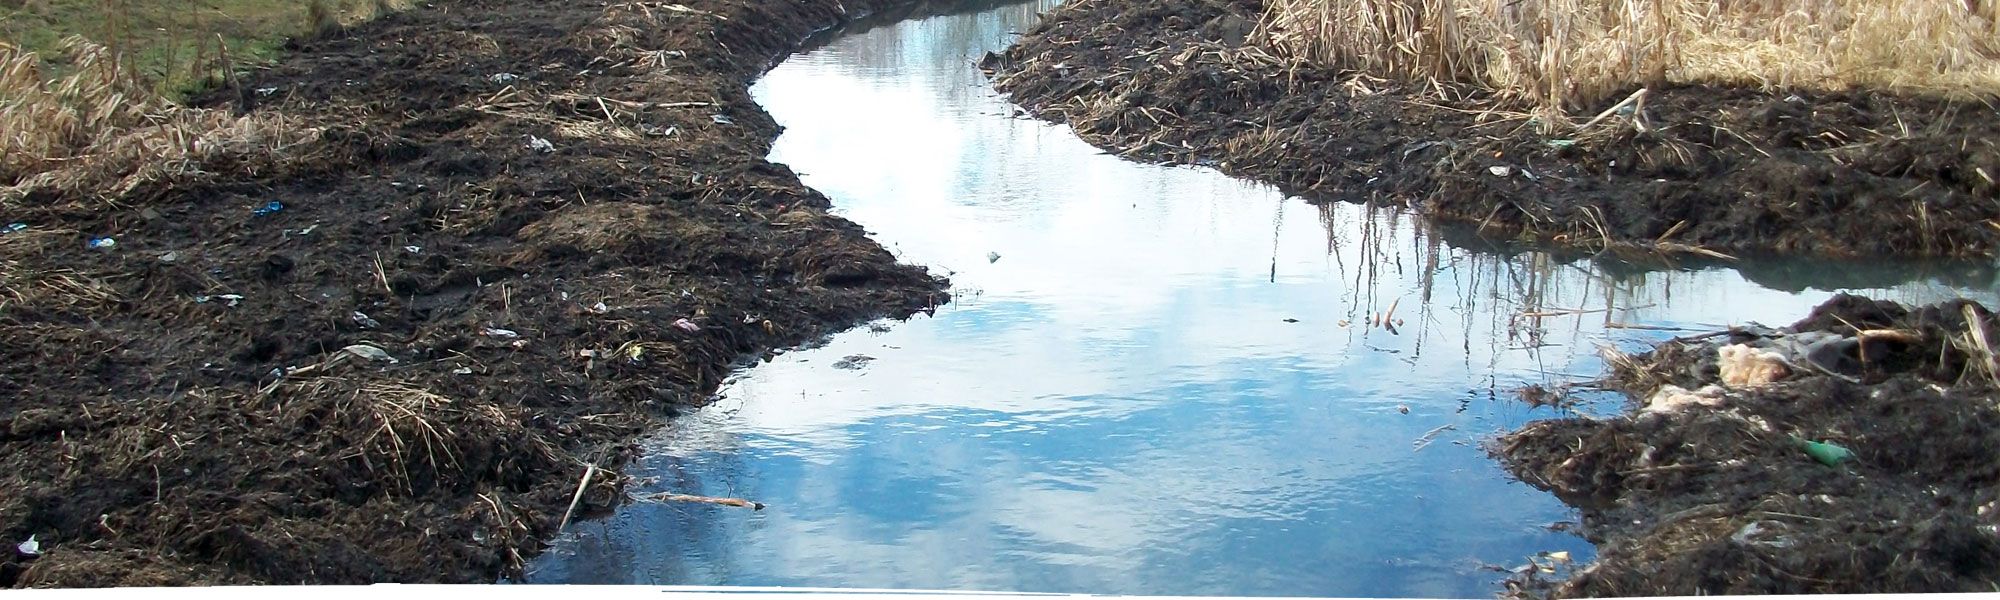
x: 1119, y: 404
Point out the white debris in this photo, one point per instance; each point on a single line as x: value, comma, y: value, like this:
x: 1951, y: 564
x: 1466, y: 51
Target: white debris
x: 30, y: 547
x: 495, y: 332
x: 1673, y: 398
x: 538, y: 144
x: 686, y: 325
x: 1500, y: 171
x: 1744, y: 366
x: 371, y: 353
x: 230, y: 299
x: 992, y: 257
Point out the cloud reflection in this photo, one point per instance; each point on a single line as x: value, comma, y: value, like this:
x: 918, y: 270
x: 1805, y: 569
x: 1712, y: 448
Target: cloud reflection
x: 1151, y: 390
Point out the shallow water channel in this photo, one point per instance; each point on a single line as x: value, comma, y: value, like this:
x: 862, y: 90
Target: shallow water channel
x: 1165, y: 382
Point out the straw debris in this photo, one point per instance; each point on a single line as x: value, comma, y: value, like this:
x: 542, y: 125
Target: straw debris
x: 100, y: 132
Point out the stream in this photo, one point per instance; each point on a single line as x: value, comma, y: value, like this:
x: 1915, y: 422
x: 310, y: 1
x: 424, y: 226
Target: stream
x: 1152, y: 380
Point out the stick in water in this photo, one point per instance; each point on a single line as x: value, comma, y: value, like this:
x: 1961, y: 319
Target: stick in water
x: 736, y: 502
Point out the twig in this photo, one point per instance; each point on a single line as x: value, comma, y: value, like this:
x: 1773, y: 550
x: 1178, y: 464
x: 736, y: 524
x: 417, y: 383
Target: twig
x: 1616, y: 325
x: 1976, y: 328
x: 382, y: 276
x: 578, y: 497
x: 1665, y: 468
x: 737, y: 502
x: 1560, y: 312
x: 1629, y: 100
x: 1431, y: 436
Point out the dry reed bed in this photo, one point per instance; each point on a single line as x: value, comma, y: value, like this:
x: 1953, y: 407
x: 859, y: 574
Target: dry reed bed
x: 1564, y: 55
x: 100, y: 132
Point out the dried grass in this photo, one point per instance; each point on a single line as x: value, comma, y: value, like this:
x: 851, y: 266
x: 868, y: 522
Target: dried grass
x: 100, y: 131
x: 1565, y: 55
x: 415, y: 437
x: 25, y: 287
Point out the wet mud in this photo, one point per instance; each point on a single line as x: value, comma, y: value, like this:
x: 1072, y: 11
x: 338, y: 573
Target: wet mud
x: 1717, y: 169
x: 529, y: 232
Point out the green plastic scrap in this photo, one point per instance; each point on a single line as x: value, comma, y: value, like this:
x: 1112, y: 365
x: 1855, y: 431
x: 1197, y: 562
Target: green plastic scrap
x: 1827, y: 453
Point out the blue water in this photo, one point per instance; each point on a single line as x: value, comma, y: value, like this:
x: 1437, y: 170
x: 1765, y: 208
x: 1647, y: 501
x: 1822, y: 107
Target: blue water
x: 1122, y: 402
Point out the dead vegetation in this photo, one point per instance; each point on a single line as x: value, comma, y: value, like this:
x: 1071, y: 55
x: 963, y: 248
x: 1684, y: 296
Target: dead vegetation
x: 1564, y: 55
x: 99, y: 132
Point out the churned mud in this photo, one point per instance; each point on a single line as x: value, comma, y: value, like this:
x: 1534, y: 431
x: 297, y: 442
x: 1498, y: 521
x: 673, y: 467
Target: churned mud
x: 1716, y: 169
x: 1851, y: 452
x: 527, y: 232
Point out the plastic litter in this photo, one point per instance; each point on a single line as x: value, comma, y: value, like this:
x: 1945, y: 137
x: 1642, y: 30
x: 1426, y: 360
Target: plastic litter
x: 269, y: 208
x: 1500, y: 171
x: 362, y: 319
x: 722, y: 120
x: 1758, y: 534
x: 13, y: 227
x: 370, y: 353
x: 1744, y: 366
x: 686, y: 325
x: 504, y: 77
x: 1673, y: 398
x: 495, y: 332
x: 29, y: 548
x: 103, y: 243
x: 599, y: 308
x: 413, y: 249
x: 540, y: 145
x: 170, y: 257
x: 992, y: 257
x: 231, y: 299
x: 1827, y: 453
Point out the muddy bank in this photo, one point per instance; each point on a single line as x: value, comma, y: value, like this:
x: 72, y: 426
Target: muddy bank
x: 528, y: 232
x: 1707, y: 483
x: 1855, y: 174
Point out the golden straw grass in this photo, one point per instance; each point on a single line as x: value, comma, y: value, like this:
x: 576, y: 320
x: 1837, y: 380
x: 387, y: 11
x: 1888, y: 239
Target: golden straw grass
x: 100, y: 131
x: 1569, y: 55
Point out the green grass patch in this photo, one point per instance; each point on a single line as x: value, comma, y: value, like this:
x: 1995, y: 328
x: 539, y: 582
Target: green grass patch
x: 179, y: 46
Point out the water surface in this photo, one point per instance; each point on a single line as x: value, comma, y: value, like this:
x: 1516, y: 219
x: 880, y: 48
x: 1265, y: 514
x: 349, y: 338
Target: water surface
x: 1163, y: 384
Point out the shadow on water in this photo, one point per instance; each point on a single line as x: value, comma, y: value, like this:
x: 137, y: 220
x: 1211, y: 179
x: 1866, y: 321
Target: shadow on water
x: 1152, y: 380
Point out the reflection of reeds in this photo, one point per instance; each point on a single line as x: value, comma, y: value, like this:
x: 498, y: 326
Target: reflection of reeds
x: 1563, y: 55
